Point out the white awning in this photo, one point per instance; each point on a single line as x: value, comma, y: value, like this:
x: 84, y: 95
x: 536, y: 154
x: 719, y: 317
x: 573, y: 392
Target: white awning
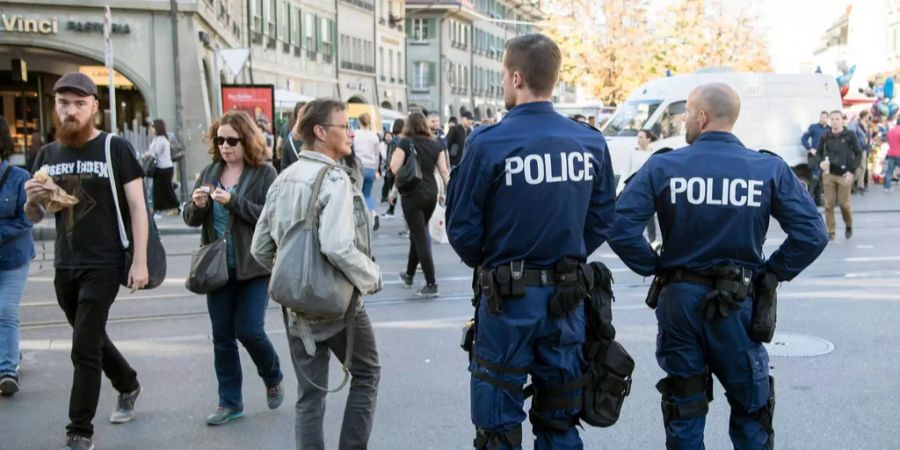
x: 285, y: 99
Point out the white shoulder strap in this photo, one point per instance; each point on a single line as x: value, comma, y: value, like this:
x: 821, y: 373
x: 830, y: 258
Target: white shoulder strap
x: 293, y: 147
x: 115, y: 193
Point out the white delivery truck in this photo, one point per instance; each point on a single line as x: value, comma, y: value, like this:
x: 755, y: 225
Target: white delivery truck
x: 776, y: 110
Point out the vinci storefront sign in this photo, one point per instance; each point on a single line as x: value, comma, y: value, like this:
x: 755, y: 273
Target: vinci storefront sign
x: 258, y: 100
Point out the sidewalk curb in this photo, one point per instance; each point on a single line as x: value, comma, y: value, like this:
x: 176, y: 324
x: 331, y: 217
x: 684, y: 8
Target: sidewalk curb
x: 49, y: 233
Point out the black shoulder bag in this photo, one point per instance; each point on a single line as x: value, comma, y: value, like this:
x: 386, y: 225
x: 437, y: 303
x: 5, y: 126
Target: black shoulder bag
x: 409, y: 176
x: 156, y: 253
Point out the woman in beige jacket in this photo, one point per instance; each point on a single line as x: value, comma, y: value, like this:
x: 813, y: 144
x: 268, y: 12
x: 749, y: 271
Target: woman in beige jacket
x: 345, y: 240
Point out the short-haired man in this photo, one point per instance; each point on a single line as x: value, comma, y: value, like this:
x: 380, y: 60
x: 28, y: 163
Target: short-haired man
x: 434, y: 123
x: 456, y: 138
x: 538, y: 327
x: 89, y: 257
x: 714, y: 199
x: 838, y: 155
x: 810, y: 141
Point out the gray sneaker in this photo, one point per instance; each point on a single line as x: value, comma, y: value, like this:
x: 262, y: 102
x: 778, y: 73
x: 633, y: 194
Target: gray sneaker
x: 223, y: 416
x: 428, y: 291
x: 76, y: 442
x: 274, y: 396
x: 407, y: 280
x: 125, y: 407
x: 8, y: 385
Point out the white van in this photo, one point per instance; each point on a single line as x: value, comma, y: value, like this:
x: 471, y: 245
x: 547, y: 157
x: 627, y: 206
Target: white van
x: 776, y: 109
x: 593, y: 111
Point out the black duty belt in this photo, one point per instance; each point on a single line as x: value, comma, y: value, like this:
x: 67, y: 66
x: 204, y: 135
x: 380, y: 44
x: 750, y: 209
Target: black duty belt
x: 686, y: 276
x: 540, y: 277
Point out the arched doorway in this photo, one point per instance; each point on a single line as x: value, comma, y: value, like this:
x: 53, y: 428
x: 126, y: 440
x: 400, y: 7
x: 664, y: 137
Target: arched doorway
x: 29, y: 106
x: 400, y: 106
x: 357, y: 99
x: 478, y: 114
x: 386, y: 105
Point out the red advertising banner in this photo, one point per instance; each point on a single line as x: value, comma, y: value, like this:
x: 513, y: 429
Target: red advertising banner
x: 258, y: 100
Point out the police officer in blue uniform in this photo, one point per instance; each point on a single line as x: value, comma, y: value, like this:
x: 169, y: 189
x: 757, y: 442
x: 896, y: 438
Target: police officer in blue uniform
x: 532, y: 197
x: 713, y: 199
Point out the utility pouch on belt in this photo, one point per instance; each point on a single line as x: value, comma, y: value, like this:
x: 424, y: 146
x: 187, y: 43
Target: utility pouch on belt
x: 765, y: 302
x: 655, y: 288
x: 490, y: 293
x: 511, y: 279
x: 468, y: 336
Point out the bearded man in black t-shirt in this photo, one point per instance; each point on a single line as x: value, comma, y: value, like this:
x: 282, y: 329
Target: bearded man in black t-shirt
x: 89, y: 255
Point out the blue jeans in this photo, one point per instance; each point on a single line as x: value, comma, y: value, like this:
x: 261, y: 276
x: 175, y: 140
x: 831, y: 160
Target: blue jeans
x: 689, y: 345
x: 891, y: 162
x: 12, y: 284
x: 238, y: 313
x: 368, y: 181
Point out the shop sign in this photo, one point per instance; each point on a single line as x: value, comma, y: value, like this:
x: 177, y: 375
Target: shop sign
x: 257, y: 100
x: 21, y: 24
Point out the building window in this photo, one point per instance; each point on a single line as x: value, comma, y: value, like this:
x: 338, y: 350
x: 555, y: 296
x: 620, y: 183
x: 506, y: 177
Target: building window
x: 310, y: 32
x: 296, y: 37
x: 421, y: 29
x: 399, y: 67
x: 281, y: 16
x: 326, y: 36
x: 423, y: 74
x: 270, y: 17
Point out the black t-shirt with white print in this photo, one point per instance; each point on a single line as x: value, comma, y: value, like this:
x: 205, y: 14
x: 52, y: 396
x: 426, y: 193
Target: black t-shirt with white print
x: 87, y: 234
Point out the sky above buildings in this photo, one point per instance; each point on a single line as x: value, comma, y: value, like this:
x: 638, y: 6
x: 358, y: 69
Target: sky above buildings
x: 793, y: 28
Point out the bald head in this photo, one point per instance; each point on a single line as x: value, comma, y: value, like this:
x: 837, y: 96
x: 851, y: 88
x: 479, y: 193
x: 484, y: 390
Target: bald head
x: 720, y: 102
x: 711, y: 107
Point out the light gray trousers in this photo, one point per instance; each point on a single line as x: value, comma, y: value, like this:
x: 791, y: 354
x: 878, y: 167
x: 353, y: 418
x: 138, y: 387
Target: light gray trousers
x: 360, y: 408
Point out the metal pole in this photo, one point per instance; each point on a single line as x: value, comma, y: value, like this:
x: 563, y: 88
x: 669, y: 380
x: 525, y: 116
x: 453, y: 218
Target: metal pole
x: 107, y: 25
x: 217, y: 81
x: 182, y: 172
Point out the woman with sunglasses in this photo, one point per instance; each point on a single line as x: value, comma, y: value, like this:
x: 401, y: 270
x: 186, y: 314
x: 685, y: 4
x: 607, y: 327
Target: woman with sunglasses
x: 228, y: 197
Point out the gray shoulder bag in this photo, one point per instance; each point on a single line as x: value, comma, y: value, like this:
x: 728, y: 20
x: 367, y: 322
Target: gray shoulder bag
x: 302, y: 278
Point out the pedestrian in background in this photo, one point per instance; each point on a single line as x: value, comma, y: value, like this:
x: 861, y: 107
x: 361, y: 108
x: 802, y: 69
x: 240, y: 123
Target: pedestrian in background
x: 437, y: 130
x: 810, y: 141
x: 37, y: 141
x: 892, y: 160
x: 345, y: 240
x: 290, y: 142
x: 419, y: 202
x: 838, y: 157
x: 89, y: 259
x: 456, y: 138
x: 228, y: 198
x: 389, y: 177
x: 16, y: 253
x: 863, y: 129
x: 636, y: 160
x: 164, y: 198
x: 365, y: 147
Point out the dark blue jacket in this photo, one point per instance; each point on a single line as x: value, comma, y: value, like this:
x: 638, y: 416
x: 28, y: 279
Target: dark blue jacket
x: 16, y: 245
x: 535, y: 187
x: 810, y: 139
x: 713, y: 199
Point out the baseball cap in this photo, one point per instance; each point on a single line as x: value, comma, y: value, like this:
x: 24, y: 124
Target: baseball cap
x: 76, y: 82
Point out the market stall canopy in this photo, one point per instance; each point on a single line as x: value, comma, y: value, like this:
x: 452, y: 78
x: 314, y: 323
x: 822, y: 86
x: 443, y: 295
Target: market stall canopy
x: 285, y: 99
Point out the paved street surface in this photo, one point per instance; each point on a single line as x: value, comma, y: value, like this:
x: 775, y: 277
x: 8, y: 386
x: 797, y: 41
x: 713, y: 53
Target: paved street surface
x: 845, y: 399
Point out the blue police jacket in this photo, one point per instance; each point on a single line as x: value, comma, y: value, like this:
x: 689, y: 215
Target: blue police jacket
x: 713, y: 199
x: 536, y: 187
x: 16, y: 245
x: 810, y: 139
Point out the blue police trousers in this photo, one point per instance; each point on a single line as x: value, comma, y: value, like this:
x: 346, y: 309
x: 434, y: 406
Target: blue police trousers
x: 527, y: 340
x: 688, y: 344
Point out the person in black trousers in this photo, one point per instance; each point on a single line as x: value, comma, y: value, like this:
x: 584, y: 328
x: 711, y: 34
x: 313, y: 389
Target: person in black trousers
x: 418, y: 202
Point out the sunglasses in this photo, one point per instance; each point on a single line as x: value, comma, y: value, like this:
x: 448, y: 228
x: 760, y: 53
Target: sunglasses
x: 232, y: 141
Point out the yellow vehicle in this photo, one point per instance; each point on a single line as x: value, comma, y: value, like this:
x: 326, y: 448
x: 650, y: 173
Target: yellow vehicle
x: 356, y: 109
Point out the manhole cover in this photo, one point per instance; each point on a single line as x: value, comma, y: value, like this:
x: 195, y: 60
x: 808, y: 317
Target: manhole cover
x: 798, y: 346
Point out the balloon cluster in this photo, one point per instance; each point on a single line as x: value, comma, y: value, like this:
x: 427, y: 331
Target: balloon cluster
x: 844, y: 78
x: 883, y: 91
